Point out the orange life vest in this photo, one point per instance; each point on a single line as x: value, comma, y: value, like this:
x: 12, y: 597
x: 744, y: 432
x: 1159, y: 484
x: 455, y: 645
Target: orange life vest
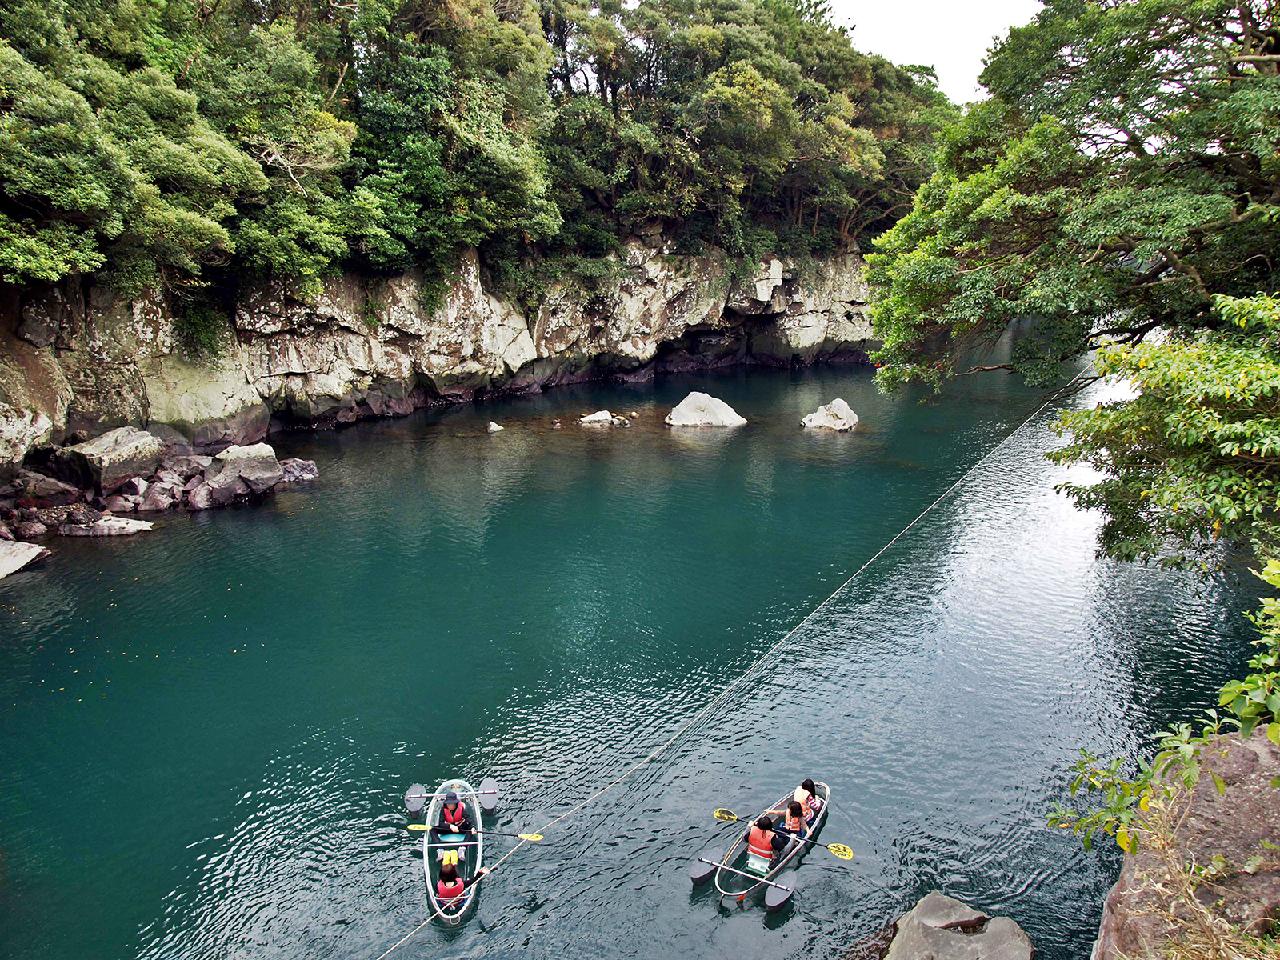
x: 447, y: 890
x: 760, y: 842
x: 794, y: 824
x: 455, y: 816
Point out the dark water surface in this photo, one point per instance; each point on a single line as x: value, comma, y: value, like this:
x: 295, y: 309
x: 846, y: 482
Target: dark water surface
x: 205, y: 732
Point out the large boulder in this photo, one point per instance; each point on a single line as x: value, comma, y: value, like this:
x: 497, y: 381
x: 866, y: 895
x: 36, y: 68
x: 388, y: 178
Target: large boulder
x: 106, y: 462
x: 836, y: 415
x: 37, y: 490
x: 15, y: 556
x: 1236, y: 825
x: 255, y: 467
x: 703, y: 410
x: 943, y: 928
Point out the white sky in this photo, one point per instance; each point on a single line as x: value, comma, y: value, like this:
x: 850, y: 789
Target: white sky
x: 950, y: 35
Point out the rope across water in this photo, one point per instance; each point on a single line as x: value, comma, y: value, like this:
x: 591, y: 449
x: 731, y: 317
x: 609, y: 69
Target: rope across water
x: 758, y: 664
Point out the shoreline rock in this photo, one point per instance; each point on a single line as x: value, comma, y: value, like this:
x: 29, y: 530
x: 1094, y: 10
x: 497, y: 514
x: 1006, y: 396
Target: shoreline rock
x: 15, y: 556
x: 939, y: 927
x: 603, y: 418
x: 704, y: 410
x: 1234, y: 825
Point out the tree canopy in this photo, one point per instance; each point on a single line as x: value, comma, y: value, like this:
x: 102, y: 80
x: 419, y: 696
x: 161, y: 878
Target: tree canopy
x: 1120, y: 189
x: 186, y: 142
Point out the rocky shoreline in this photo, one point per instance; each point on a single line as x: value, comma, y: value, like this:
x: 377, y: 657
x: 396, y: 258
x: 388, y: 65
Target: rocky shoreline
x: 76, y: 361
x: 84, y: 489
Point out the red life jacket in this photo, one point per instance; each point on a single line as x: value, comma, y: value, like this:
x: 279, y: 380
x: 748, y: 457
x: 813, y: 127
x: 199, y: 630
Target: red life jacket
x: 448, y: 890
x: 760, y: 842
x: 454, y: 817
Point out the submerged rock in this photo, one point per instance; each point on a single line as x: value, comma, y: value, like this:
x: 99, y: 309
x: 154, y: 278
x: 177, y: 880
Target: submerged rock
x: 106, y: 462
x: 105, y: 527
x: 15, y: 556
x: 703, y: 410
x: 836, y: 415
x: 943, y: 928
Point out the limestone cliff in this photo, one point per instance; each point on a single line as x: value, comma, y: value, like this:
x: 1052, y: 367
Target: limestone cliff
x: 76, y: 359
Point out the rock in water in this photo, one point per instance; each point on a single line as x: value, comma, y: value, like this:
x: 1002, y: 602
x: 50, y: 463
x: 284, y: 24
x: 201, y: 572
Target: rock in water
x: 602, y: 418
x: 297, y: 470
x: 256, y: 465
x: 15, y: 556
x: 942, y: 928
x: 703, y: 410
x: 105, y: 527
x: 495, y: 427
x: 836, y: 415
x: 106, y: 462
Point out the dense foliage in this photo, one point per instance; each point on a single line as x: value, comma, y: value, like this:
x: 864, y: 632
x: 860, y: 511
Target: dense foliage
x: 186, y: 141
x: 1122, y: 175
x: 1121, y: 189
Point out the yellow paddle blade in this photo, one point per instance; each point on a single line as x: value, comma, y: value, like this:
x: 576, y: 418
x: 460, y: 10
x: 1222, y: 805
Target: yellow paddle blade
x: 728, y: 816
x: 841, y: 851
x: 420, y: 827
x: 531, y: 837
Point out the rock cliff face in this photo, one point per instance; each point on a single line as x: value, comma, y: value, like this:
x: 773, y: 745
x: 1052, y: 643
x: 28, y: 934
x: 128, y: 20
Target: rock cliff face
x: 1230, y: 833
x: 75, y: 359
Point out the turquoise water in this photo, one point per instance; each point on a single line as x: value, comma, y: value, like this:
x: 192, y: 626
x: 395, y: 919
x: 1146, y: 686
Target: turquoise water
x: 205, y: 732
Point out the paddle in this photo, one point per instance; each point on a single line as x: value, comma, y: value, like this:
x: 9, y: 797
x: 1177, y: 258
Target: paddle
x: 835, y: 849
x: 531, y: 837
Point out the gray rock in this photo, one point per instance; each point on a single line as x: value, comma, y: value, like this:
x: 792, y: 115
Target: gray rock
x: 200, y: 497
x: 159, y: 497
x: 297, y: 470
x: 30, y: 530
x: 5, y: 532
x: 15, y: 556
x: 495, y: 427
x: 106, y: 462
x: 228, y: 492
x: 254, y: 466
x: 943, y: 928
x: 836, y: 415
x: 38, y: 490
x: 134, y: 487
x: 194, y: 482
x: 188, y: 466
x: 120, y: 504
x: 703, y: 410
x: 105, y: 527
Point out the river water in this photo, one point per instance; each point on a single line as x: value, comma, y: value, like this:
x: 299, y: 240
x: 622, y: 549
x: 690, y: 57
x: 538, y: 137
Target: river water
x: 205, y: 732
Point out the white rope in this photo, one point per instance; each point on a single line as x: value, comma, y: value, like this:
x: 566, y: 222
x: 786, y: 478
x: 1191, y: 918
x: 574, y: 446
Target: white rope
x: 756, y: 665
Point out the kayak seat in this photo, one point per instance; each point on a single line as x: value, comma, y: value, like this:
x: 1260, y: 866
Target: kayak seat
x: 758, y: 864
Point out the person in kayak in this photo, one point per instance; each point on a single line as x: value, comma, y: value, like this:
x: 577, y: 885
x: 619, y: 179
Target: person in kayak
x: 453, y: 816
x: 794, y: 821
x: 807, y: 796
x: 763, y: 840
x: 450, y: 886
